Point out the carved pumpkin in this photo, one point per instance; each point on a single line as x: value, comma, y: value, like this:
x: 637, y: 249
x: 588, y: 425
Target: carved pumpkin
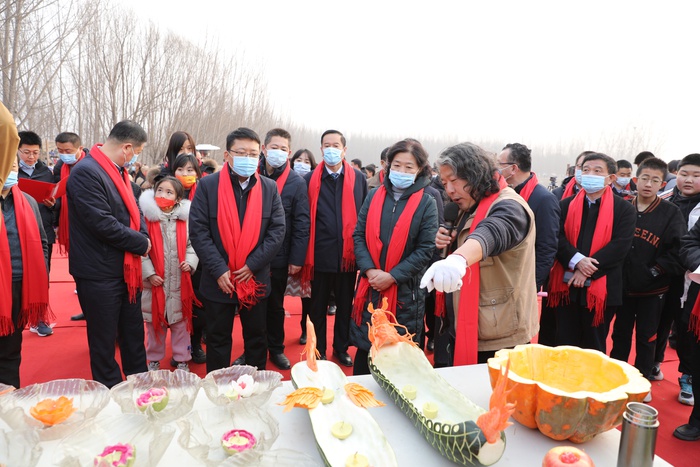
x: 566, y: 392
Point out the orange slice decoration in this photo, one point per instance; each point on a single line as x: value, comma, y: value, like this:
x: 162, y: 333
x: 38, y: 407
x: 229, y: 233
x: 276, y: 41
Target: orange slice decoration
x: 361, y: 396
x: 51, y: 412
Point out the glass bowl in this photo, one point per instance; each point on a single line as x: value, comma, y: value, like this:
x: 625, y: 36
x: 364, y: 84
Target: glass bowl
x: 182, y: 387
x: 5, y: 388
x: 201, y: 433
x: 220, y: 382
x: 20, y: 447
x: 150, y: 440
x: 88, y: 398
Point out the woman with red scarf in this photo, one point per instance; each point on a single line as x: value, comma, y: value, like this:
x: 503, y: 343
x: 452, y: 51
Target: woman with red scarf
x: 394, y: 242
x: 491, y: 271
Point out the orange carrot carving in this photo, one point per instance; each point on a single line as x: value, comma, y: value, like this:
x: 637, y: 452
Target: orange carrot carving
x: 361, y: 396
x: 382, y: 331
x: 305, y: 398
x: 310, y: 349
x: 496, y: 419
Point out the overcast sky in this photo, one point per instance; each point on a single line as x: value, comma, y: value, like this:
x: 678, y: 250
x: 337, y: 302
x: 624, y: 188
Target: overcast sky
x: 532, y: 71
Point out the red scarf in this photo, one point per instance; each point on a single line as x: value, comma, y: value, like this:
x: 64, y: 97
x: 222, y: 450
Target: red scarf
x: 193, y: 190
x: 529, y: 187
x: 467, y: 342
x: 570, y: 188
x: 282, y: 179
x: 381, y: 177
x: 35, y: 283
x: 63, y: 215
x: 132, y: 261
x: 239, y: 241
x: 395, y: 250
x: 157, y: 256
x: 598, y: 291
x: 348, y: 213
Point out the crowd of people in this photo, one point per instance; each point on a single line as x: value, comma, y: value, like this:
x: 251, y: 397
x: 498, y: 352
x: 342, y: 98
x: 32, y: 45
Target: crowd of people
x: 460, y: 250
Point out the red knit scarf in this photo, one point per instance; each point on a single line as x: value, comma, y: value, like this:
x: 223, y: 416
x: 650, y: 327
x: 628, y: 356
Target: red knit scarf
x: 395, y: 250
x: 529, y: 187
x: 467, y: 341
x: 63, y: 215
x: 348, y: 213
x: 282, y: 179
x: 132, y: 261
x: 570, y: 187
x: 157, y: 256
x: 35, y: 278
x: 239, y: 241
x: 598, y: 291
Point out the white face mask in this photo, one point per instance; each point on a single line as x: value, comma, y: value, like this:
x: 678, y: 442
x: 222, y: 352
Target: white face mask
x: 276, y: 157
x: 623, y: 181
x: 302, y: 168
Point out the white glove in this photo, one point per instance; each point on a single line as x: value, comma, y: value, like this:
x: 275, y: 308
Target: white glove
x: 445, y: 275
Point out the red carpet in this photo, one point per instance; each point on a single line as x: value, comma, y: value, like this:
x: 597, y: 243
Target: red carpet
x: 65, y: 355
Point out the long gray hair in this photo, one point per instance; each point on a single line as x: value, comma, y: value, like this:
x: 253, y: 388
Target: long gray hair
x: 473, y: 164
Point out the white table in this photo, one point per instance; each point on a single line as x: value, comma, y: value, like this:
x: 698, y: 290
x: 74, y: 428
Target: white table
x: 524, y: 446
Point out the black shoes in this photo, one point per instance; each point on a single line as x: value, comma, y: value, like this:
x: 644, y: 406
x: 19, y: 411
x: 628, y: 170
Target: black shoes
x: 198, y: 355
x: 343, y: 358
x: 302, y: 339
x: 687, y: 432
x: 78, y: 317
x: 280, y: 361
x: 239, y: 361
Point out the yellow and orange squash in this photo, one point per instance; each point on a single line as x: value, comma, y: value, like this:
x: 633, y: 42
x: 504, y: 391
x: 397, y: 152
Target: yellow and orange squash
x: 566, y: 392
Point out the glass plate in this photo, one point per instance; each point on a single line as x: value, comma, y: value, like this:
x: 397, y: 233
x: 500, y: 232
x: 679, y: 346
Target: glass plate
x: 217, y: 383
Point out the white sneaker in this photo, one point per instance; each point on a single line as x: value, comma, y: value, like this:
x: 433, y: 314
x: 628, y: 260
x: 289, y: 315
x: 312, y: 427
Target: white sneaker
x: 153, y: 366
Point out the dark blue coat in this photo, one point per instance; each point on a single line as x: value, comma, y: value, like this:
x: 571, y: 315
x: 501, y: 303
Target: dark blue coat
x: 416, y: 257
x: 295, y: 201
x: 99, y: 224
x: 329, y: 221
x: 206, y: 240
x: 545, y: 207
x: 42, y: 173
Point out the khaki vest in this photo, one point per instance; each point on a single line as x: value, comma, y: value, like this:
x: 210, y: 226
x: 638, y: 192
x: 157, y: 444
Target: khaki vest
x: 508, y: 310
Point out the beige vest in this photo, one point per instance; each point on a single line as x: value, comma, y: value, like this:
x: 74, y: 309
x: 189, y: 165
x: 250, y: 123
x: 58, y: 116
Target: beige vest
x: 508, y: 311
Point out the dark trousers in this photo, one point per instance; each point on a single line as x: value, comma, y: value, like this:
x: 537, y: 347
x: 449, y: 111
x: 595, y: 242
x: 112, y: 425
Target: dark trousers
x: 575, y: 327
x: 111, y: 318
x: 644, y: 312
x: 671, y: 310
x: 429, y: 316
x: 50, y: 245
x: 11, y: 346
x: 275, y: 311
x: 343, y: 285
x: 548, y: 325
x: 695, y: 356
x: 219, y: 329
x: 305, y: 311
x: 361, y: 365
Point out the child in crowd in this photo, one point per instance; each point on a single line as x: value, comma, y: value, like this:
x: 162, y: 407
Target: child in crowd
x: 650, y: 264
x: 624, y: 185
x: 168, y: 295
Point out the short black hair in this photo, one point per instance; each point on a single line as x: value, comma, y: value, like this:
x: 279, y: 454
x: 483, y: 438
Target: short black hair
x: 599, y: 156
x: 520, y: 155
x: 371, y: 168
x: 309, y: 154
x: 623, y: 164
x: 414, y: 148
x: 653, y: 164
x: 128, y: 131
x: 690, y: 159
x: 357, y: 162
x: 177, y: 185
x: 382, y: 156
x: 334, y: 132
x: 642, y: 156
x: 29, y: 138
x: 673, y: 165
x: 67, y: 137
x: 282, y: 133
x: 241, y: 133
x: 583, y: 154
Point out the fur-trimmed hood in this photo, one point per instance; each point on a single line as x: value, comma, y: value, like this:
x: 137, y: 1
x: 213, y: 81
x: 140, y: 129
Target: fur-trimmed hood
x: 153, y: 213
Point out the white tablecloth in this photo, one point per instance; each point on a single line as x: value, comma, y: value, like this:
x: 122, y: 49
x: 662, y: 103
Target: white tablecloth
x: 524, y: 447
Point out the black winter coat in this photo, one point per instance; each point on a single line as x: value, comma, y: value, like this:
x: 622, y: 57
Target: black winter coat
x: 99, y: 223
x: 295, y: 201
x: 690, y: 256
x: 206, y: 240
x: 42, y: 173
x: 417, y: 254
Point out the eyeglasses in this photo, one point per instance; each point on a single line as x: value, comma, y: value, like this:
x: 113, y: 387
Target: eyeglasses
x: 654, y: 181
x: 245, y: 154
x: 27, y: 152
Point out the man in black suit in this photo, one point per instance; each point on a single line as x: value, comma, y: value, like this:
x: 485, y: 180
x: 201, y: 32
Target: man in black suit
x: 107, y: 236
x: 222, y: 285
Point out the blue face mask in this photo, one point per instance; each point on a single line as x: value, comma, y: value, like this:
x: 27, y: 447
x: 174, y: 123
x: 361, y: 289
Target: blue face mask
x: 128, y: 164
x: 592, y: 183
x: 10, y: 181
x: 577, y: 176
x: 332, y: 156
x: 69, y: 159
x: 245, y: 166
x: 623, y: 181
x: 26, y: 166
x: 302, y: 168
x: 401, y: 180
x: 276, y: 158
